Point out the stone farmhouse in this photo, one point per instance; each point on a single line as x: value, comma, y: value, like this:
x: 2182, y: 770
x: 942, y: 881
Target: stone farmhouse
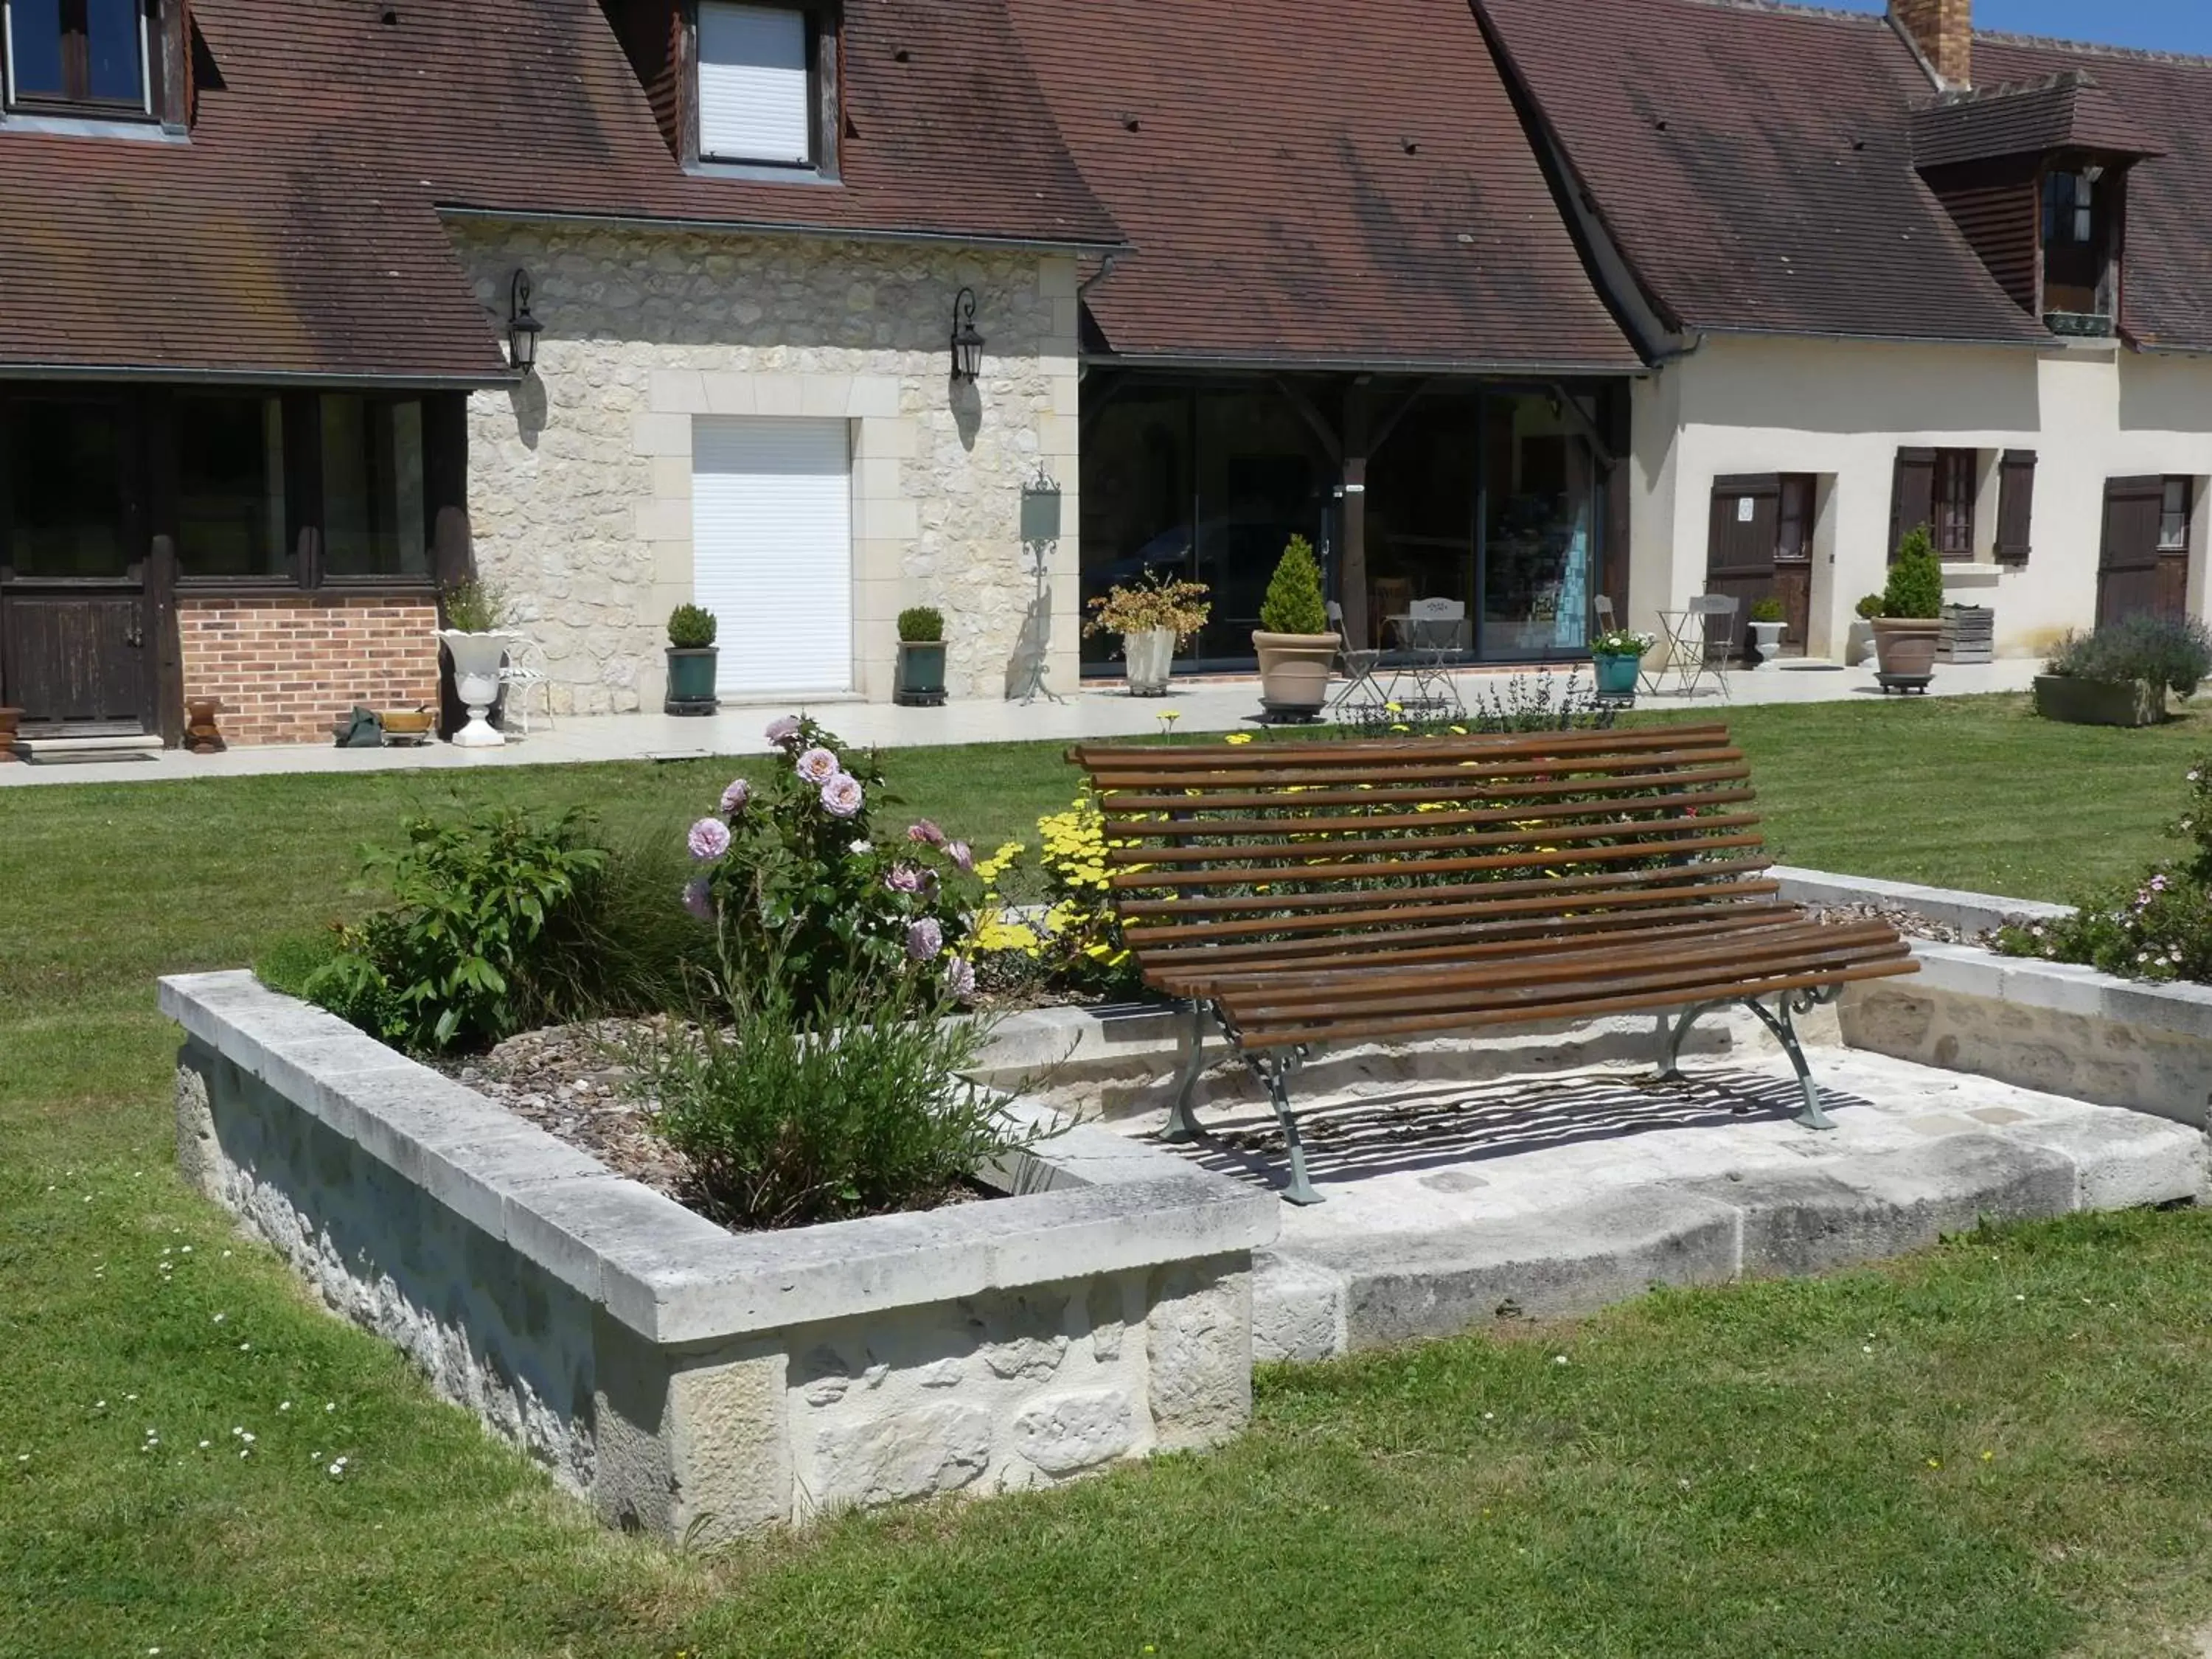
x: 310, y: 308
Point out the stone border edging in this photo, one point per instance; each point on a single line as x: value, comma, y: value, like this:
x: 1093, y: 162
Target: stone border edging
x: 1972, y: 913
x: 1089, y: 1202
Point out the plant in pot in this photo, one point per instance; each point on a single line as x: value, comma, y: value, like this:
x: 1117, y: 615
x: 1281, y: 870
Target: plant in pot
x: 476, y: 640
x: 1154, y: 618
x: 1767, y: 624
x: 1910, y: 625
x: 920, y: 681
x: 1296, y: 652
x: 691, y: 661
x: 2121, y: 674
x: 1616, y: 658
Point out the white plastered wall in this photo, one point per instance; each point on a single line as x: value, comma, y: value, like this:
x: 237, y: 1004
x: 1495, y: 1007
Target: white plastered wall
x: 1841, y: 411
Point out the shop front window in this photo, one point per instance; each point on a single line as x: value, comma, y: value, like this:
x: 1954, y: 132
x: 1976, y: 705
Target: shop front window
x: 1539, y: 514
x: 375, y: 519
x: 1421, y: 494
x: 230, y: 486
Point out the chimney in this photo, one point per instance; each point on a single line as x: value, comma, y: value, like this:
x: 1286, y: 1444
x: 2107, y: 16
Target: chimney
x: 1944, y: 32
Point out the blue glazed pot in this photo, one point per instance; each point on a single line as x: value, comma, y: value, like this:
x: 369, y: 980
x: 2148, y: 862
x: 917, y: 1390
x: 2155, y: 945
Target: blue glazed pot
x: 1616, y: 675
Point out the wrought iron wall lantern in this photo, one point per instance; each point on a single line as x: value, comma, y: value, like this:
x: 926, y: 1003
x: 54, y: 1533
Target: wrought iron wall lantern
x: 522, y: 328
x: 967, y: 344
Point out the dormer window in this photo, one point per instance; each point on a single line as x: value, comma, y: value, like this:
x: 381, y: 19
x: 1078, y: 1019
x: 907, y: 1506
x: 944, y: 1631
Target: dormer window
x: 2078, y: 220
x: 77, y: 57
x: 759, y: 85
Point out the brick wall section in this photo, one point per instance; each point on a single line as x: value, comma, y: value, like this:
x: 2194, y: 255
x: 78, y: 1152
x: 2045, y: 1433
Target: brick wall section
x: 287, y: 667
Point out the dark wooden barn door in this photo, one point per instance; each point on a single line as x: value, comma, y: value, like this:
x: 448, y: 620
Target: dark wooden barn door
x: 2129, y: 576
x: 1740, y: 552
x: 76, y: 633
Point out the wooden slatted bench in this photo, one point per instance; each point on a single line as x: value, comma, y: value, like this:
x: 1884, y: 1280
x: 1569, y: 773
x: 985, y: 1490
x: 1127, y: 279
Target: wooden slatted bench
x: 1308, y: 893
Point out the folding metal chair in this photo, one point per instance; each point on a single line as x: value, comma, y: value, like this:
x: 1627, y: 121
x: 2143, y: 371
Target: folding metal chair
x: 1433, y: 630
x: 1718, y: 613
x: 1361, y: 700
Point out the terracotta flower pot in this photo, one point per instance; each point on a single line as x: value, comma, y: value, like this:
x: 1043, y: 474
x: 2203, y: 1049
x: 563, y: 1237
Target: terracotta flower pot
x: 1294, y: 671
x: 1904, y: 647
x: 11, y: 721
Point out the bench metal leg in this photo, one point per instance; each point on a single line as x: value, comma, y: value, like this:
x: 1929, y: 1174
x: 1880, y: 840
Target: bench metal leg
x: 1279, y: 1069
x: 1781, y: 1021
x: 1183, y: 1121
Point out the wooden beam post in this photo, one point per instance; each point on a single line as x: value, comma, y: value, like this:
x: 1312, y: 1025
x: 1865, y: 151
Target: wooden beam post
x: 1352, y: 559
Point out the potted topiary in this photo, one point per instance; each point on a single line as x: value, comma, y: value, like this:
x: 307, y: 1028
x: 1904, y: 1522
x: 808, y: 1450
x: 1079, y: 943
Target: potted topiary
x: 477, y: 640
x: 1296, y: 652
x: 1858, y: 645
x: 1153, y: 618
x: 692, y: 661
x: 920, y: 681
x: 1910, y: 625
x: 1766, y: 627
x: 1616, y: 658
x: 2121, y: 674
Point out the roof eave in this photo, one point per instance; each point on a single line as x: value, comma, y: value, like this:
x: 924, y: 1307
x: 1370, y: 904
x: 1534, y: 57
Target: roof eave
x: 1533, y: 368
x: 334, y: 379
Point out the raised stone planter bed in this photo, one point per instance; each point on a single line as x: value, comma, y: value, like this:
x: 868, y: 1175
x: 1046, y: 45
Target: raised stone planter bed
x: 691, y: 1382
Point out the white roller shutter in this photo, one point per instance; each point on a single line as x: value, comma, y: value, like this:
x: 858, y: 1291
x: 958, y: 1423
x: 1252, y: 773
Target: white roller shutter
x: 772, y: 550
x: 753, y: 84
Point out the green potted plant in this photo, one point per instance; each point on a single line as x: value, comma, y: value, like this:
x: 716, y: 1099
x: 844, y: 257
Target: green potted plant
x: 1296, y: 652
x: 476, y: 640
x: 920, y: 681
x: 1153, y: 618
x: 691, y: 661
x: 2121, y: 674
x: 1767, y: 624
x: 1616, y: 658
x: 1910, y: 625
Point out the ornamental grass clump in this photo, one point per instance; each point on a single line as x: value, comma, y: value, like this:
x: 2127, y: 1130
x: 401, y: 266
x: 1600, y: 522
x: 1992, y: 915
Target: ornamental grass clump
x: 2158, y: 926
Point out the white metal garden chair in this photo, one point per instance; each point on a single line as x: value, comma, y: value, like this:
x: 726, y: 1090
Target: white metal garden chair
x: 524, y: 672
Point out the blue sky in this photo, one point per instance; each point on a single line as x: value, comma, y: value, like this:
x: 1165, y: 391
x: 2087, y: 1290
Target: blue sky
x: 2165, y: 25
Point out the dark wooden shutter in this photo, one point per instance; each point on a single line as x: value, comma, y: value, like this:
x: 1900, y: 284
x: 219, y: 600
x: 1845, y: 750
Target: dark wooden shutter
x: 1912, y: 498
x: 2128, y: 563
x: 2016, y: 505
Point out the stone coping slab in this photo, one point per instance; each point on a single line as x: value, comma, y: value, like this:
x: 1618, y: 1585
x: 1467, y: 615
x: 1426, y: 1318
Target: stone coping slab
x: 1972, y: 913
x: 1085, y: 1203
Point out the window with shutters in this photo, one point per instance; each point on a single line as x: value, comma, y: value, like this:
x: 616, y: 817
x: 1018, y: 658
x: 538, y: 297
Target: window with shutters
x: 2175, y: 505
x: 759, y: 84
x: 2016, y: 505
x: 1951, y: 523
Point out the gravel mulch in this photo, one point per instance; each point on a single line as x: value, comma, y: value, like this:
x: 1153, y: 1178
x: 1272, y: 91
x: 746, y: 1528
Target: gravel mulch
x: 1911, y: 923
x: 570, y: 1082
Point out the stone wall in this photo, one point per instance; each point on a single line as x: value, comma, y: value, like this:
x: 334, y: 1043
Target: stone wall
x: 286, y: 667
x: 580, y: 480
x: 688, y: 1381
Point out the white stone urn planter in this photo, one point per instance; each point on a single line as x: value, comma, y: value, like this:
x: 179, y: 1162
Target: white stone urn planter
x: 1767, y: 636
x: 477, y: 658
x: 1151, y: 656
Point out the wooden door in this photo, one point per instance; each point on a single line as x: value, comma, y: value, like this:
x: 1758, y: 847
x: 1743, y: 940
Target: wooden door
x: 2129, y: 574
x: 1741, y: 548
x: 1793, y: 555
x: 76, y: 633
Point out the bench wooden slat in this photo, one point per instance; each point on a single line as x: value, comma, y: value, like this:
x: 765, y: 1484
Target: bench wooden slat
x: 1189, y: 827
x: 1549, y: 786
x: 1303, y: 912
x: 1359, y: 752
x: 1287, y: 853
x: 1600, y: 770
x: 1290, y: 871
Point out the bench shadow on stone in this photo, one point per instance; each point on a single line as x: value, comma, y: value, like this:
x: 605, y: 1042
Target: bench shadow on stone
x: 1426, y: 1127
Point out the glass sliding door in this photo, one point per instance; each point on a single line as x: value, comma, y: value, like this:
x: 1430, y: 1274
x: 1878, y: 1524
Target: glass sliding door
x: 1139, y: 496
x: 1540, y: 530
x: 1422, y: 490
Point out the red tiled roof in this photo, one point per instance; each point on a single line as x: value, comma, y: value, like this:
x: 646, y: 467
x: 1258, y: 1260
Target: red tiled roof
x: 2167, y: 284
x: 1755, y: 164
x: 1305, y: 181
x: 297, y: 231
x: 2067, y: 110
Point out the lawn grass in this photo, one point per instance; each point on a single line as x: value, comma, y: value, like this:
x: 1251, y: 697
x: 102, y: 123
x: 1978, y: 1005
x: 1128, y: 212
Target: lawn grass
x: 1725, y: 1472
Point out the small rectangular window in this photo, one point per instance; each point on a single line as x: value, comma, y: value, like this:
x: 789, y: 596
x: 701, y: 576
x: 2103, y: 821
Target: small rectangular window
x: 230, y: 485
x: 756, y: 84
x: 88, y: 53
x: 2174, y: 516
x: 375, y: 515
x: 1953, y: 525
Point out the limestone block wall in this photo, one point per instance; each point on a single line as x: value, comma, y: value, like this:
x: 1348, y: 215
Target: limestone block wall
x: 580, y: 479
x: 688, y: 1381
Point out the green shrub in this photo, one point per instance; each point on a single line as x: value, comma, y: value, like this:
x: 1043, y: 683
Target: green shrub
x: 1766, y: 611
x: 450, y: 964
x: 1915, y: 593
x: 476, y: 607
x: 690, y: 628
x: 786, y: 1115
x: 1294, y: 604
x: 1869, y: 607
x: 2174, y: 653
x: 923, y: 625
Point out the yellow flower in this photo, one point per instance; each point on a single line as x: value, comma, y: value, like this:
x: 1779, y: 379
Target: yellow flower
x: 1460, y: 731
x: 1394, y: 707
x: 1239, y: 738
x: 1171, y: 715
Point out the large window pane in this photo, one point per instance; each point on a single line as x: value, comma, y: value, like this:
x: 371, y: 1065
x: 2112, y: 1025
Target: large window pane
x: 115, y: 60
x: 65, y: 488
x: 1540, y: 548
x: 1138, y: 492
x: 374, y: 499
x: 34, y: 48
x: 1421, y: 493
x: 230, y: 486
x: 1262, y: 479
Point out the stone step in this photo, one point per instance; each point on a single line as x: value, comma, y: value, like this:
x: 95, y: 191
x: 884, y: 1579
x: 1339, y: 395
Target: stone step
x: 120, y: 746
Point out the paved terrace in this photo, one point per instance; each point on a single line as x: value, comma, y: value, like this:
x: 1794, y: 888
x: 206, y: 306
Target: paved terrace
x: 1104, y: 710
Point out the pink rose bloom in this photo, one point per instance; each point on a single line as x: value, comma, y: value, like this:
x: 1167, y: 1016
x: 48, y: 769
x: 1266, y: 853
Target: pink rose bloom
x: 926, y: 833
x: 783, y: 731
x: 924, y: 939
x: 735, y: 797
x: 904, y: 878
x: 817, y: 766
x: 960, y: 978
x: 698, y: 899
x: 710, y: 839
x: 960, y: 854
x: 843, y: 796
